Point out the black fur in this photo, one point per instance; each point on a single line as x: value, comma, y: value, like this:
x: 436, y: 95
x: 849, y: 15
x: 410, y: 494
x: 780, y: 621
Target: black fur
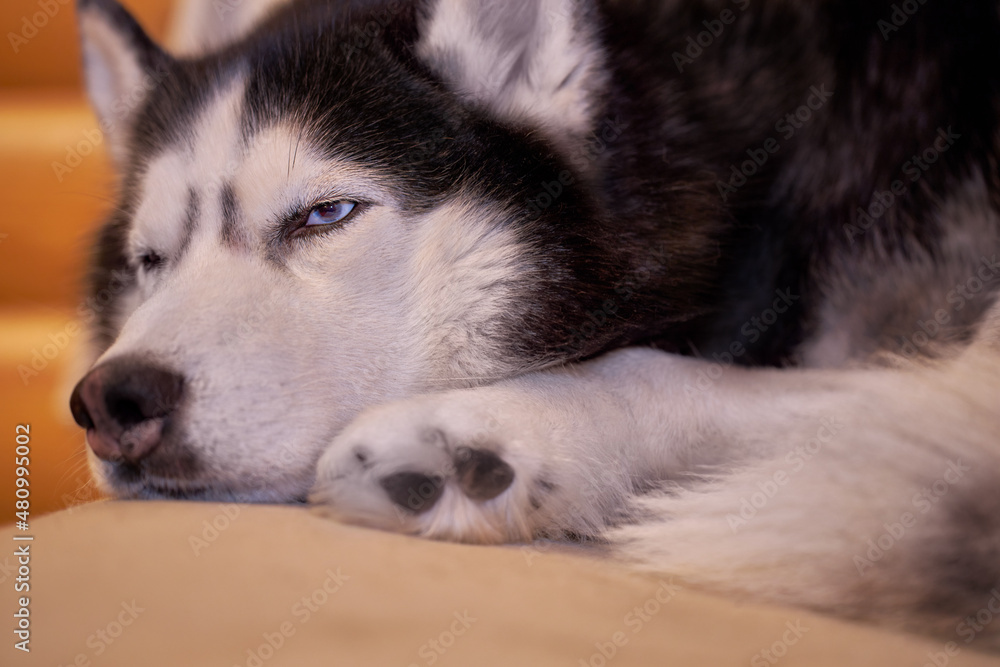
x: 650, y: 253
x: 231, y: 216
x: 659, y: 241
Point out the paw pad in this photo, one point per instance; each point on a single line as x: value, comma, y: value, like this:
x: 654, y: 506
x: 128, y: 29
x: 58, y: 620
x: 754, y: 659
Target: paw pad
x: 480, y: 474
x: 413, y: 491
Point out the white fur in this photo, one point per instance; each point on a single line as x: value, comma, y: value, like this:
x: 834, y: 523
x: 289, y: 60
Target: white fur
x: 850, y: 449
x: 384, y: 307
x: 465, y: 271
x: 329, y: 353
x: 595, y: 431
x: 808, y: 544
x: 545, y: 78
x: 198, y: 27
x: 117, y: 83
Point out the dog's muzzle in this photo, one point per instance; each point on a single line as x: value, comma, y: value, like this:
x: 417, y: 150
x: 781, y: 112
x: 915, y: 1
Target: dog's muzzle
x: 125, y: 405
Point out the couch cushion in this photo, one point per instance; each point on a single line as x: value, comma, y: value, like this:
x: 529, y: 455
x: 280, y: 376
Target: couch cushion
x: 179, y: 584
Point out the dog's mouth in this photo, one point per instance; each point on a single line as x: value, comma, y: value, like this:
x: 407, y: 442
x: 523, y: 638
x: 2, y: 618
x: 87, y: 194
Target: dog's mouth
x: 160, y: 491
x: 177, y: 470
x: 132, y: 482
x: 168, y: 490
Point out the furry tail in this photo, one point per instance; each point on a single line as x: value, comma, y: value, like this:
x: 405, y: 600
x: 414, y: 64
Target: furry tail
x: 891, y: 513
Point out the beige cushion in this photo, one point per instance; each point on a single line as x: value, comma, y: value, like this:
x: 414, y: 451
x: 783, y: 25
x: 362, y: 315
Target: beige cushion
x: 166, y: 588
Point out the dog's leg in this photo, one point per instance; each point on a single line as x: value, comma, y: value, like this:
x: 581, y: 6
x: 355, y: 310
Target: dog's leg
x: 868, y: 492
x: 563, y: 451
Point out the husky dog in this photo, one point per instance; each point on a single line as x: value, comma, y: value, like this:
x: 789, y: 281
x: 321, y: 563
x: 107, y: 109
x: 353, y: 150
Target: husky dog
x: 710, y: 282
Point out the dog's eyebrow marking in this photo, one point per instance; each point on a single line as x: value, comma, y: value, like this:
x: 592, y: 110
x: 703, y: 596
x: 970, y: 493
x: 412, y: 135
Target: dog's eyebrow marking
x: 191, y: 213
x: 231, y: 234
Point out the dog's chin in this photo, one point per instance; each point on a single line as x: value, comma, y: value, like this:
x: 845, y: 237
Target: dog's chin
x: 159, y: 490
x: 134, y: 484
x: 188, y: 480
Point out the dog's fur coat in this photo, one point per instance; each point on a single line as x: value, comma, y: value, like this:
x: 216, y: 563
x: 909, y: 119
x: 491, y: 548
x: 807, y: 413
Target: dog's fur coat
x: 711, y: 281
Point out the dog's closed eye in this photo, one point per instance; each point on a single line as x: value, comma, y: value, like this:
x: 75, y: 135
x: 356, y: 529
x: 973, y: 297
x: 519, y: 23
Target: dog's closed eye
x: 150, y: 260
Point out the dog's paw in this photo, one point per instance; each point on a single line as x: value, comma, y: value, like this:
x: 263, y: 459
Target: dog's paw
x: 474, y: 465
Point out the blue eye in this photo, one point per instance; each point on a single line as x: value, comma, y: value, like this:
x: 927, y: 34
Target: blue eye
x: 330, y: 213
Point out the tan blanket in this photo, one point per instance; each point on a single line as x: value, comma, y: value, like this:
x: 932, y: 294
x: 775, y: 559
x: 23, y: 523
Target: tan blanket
x: 178, y: 584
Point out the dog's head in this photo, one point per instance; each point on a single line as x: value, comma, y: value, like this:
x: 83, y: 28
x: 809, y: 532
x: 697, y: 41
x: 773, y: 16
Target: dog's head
x: 353, y: 203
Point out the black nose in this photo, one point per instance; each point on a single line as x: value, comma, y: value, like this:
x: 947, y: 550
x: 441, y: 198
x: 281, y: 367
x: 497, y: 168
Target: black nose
x: 124, y: 404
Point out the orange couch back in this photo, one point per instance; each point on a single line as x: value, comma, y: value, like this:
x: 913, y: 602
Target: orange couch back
x: 40, y: 47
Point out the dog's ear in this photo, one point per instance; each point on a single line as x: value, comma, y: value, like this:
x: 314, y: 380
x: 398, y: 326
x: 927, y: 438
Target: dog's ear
x: 525, y: 60
x: 120, y: 65
x: 198, y: 27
